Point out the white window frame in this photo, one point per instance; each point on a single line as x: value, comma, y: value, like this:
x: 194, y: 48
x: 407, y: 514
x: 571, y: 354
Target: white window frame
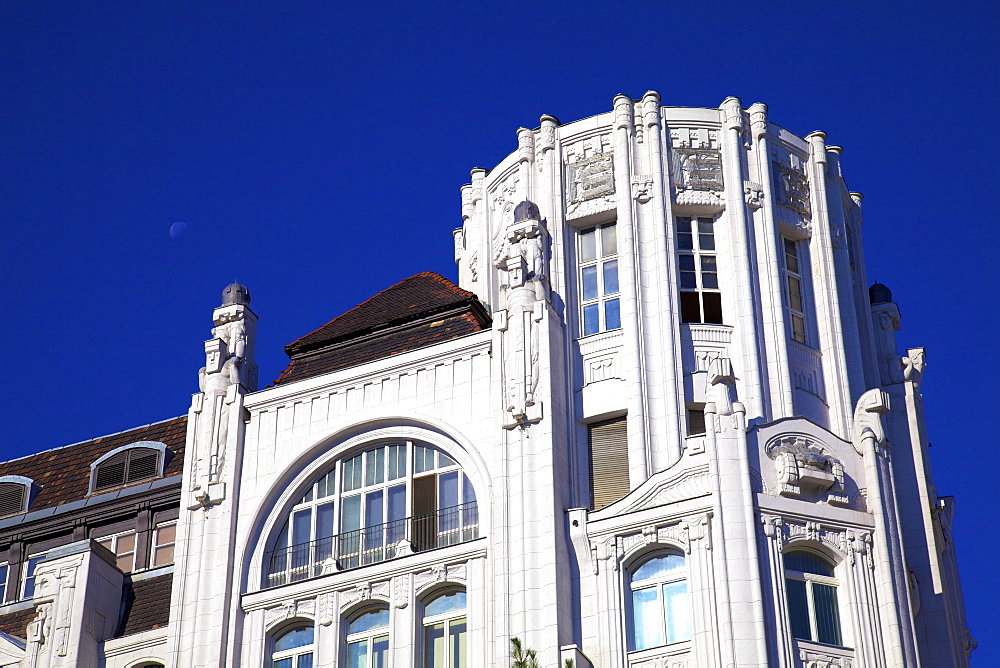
x: 448, y: 619
x: 796, y: 316
x: 4, y: 574
x: 657, y: 583
x: 28, y: 573
x: 114, y: 539
x: 699, y: 257
x: 159, y: 546
x: 812, y: 579
x: 295, y: 653
x: 602, y: 300
x: 370, y: 636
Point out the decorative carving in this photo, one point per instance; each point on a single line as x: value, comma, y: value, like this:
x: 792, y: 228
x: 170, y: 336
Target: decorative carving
x: 733, y: 112
x: 817, y: 658
x: 913, y: 365
x: 590, y: 178
x: 642, y: 188
x: 401, y: 589
x: 326, y: 604
x: 722, y: 391
x: 651, y: 108
x: 440, y: 573
x: 793, y: 188
x: 289, y: 610
x: 525, y: 145
x: 688, y: 484
x: 546, y: 137
x: 801, y: 463
x: 697, y: 169
x: 868, y: 418
x: 753, y: 193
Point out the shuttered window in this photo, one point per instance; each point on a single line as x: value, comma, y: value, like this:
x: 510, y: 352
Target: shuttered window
x: 608, y: 462
x: 127, y: 467
x: 12, y: 498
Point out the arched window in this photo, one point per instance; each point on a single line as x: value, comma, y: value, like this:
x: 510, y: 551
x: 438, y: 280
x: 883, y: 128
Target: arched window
x: 660, y: 611
x: 445, y: 631
x: 294, y: 648
x: 128, y: 465
x: 811, y: 589
x: 368, y: 639
x: 384, y: 502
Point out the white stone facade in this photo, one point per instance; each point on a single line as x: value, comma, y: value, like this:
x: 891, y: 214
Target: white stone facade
x: 813, y: 438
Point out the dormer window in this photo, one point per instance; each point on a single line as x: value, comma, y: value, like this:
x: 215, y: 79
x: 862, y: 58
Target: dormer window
x: 15, y: 494
x: 128, y: 465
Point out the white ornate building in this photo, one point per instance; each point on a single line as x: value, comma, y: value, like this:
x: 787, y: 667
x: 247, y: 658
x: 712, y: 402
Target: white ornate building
x: 661, y: 423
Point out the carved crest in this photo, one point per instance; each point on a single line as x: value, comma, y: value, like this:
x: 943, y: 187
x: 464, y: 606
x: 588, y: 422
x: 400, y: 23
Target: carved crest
x: 803, y: 465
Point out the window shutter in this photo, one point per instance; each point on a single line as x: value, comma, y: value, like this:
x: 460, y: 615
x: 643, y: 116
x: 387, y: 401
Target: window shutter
x: 608, y: 462
x: 111, y: 473
x: 142, y: 464
x: 12, y: 498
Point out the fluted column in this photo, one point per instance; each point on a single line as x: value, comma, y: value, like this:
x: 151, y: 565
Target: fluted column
x: 628, y: 278
x: 775, y: 330
x: 736, y: 215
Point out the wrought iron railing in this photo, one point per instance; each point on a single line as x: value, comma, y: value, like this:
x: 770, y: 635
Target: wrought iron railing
x: 371, y: 545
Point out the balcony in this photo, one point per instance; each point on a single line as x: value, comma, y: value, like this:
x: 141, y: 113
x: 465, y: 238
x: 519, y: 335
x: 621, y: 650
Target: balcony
x: 372, y: 545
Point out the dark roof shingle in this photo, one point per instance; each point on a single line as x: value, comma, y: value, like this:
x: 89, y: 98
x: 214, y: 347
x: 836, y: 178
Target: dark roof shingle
x: 64, y: 473
x: 419, y: 311
x: 147, y: 605
x: 16, y: 623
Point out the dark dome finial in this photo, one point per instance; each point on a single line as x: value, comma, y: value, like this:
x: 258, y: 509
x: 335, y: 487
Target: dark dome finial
x: 879, y: 294
x: 235, y: 293
x: 526, y: 211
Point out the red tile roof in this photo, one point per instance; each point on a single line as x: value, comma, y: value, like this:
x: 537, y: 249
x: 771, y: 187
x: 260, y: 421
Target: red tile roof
x: 147, y: 605
x: 64, y: 473
x: 419, y: 311
x: 16, y: 623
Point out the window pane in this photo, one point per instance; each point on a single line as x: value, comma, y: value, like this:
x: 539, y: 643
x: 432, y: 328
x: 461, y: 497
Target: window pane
x: 795, y: 293
x: 690, y: 307
x: 324, y: 521
x: 827, y: 615
x: 444, y: 460
x: 468, y: 491
x: 423, y: 459
x: 791, y: 256
x: 609, y: 240
x: 301, y: 529
x: 588, y: 246
x: 798, y: 328
x: 706, y: 238
x: 667, y: 566
x: 166, y: 534
x: 299, y: 637
x: 368, y: 621
x: 163, y: 555
x: 591, y: 322
x: 713, y: 307
x: 304, y: 661
x: 696, y: 421
x: 434, y: 654
x: 612, y: 314
x: 351, y: 519
x: 456, y: 641
x: 352, y: 473
x: 282, y: 663
x: 589, y: 277
x: 611, y: 277
x: 798, y: 608
x: 448, y: 490
x: 380, y: 652
x: 806, y: 562
x: 647, y: 620
x: 685, y: 262
x: 126, y: 544
x: 677, y: 611
x: 373, y: 508
x: 124, y: 563
x: 357, y: 654
x: 397, y: 461
x: 688, y: 280
x: 374, y: 466
x: 445, y: 603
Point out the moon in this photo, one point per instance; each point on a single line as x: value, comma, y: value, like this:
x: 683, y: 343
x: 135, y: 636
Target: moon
x: 177, y: 229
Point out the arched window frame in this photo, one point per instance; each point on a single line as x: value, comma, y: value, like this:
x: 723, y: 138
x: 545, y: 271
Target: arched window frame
x: 454, y: 627
x: 814, y: 582
x: 668, y: 630
x: 374, y: 639
x: 292, y: 657
x: 28, y: 491
x: 132, y: 448
x: 450, y: 524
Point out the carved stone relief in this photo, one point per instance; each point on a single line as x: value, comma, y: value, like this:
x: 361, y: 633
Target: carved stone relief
x: 590, y: 178
x: 642, y: 188
x: 802, y: 466
x: 697, y: 169
x: 289, y: 610
x: 441, y: 573
x: 792, y: 187
x: 753, y: 194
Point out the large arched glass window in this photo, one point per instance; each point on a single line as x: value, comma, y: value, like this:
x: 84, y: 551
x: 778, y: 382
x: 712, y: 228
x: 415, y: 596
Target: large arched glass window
x: 384, y: 502
x: 368, y: 639
x: 811, y: 589
x: 445, y: 631
x: 661, y: 613
x: 294, y: 648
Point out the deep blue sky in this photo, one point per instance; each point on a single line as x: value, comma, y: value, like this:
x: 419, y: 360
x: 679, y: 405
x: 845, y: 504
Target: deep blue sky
x: 316, y: 154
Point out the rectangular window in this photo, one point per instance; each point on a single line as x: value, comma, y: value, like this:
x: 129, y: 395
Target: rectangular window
x: 794, y: 292
x: 701, y: 300
x: 608, y: 462
x: 600, y: 306
x: 3, y: 583
x: 696, y: 420
x: 123, y: 547
x: 29, y: 575
x: 164, y: 537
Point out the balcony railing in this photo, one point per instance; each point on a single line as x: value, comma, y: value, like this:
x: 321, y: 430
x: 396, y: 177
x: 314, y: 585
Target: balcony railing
x: 371, y: 545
